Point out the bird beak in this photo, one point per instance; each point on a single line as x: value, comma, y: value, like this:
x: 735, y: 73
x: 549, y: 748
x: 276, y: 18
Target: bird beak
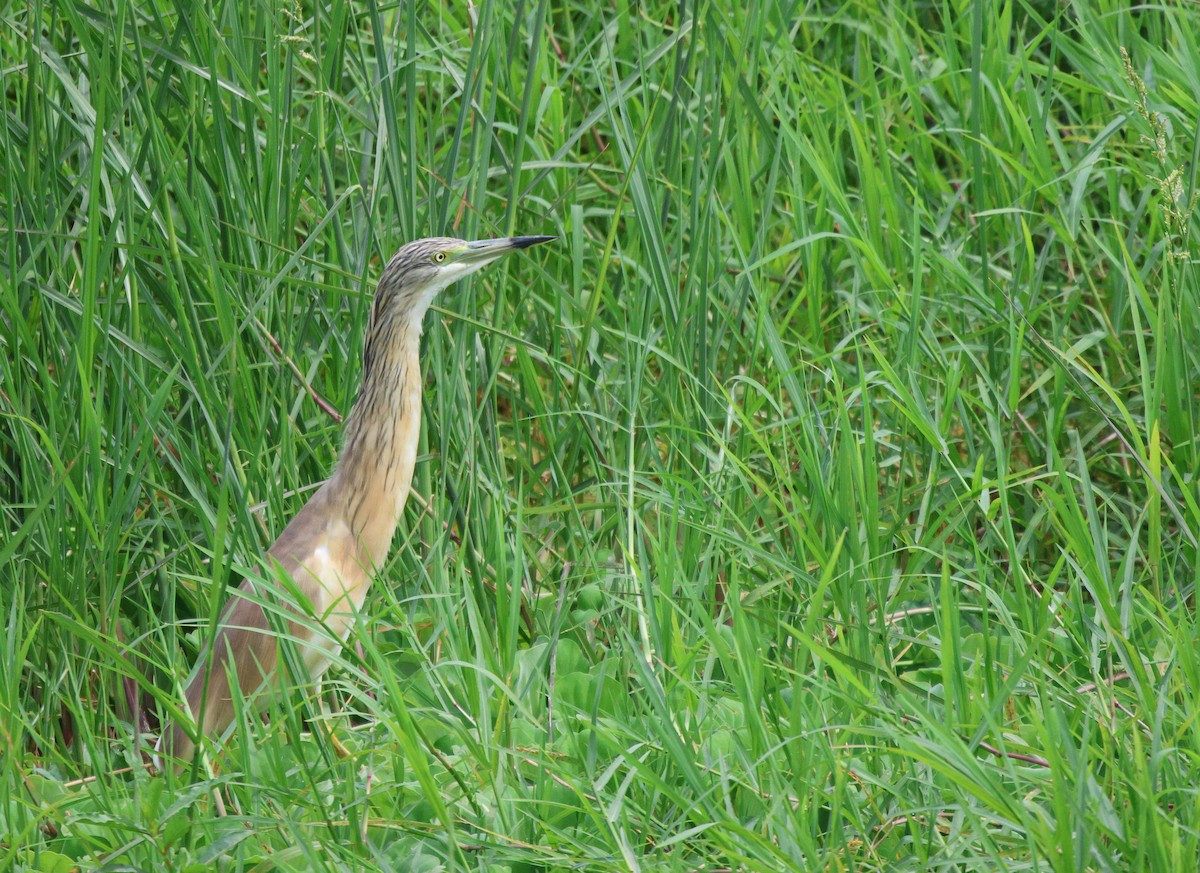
x: 485, y: 250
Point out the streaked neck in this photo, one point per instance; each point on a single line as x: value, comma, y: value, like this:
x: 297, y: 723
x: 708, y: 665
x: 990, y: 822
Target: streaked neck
x: 374, y: 472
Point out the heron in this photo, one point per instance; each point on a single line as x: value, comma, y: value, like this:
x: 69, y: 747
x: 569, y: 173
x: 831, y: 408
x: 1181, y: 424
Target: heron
x: 334, y: 546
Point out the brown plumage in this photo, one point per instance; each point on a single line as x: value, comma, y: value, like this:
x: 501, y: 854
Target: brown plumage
x: 333, y: 546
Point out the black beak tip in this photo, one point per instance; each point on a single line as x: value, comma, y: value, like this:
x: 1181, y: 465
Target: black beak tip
x: 524, y: 242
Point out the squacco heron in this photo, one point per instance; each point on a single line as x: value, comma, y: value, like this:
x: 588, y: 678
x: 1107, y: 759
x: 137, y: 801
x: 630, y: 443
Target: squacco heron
x: 333, y: 547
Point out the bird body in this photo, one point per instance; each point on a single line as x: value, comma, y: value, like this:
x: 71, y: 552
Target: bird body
x: 331, y: 550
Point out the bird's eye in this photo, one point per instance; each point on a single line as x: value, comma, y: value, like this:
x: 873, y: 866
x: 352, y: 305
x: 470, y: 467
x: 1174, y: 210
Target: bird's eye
x: 439, y: 257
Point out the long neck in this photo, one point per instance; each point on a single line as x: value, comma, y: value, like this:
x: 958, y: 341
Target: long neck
x: 374, y: 473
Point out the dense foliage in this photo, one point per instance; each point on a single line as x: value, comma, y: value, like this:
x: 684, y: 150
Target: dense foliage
x: 824, y: 499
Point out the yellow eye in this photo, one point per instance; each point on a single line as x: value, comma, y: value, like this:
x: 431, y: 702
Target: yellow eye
x: 439, y: 257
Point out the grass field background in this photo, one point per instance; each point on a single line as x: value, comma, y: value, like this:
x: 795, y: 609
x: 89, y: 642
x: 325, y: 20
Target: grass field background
x: 824, y: 499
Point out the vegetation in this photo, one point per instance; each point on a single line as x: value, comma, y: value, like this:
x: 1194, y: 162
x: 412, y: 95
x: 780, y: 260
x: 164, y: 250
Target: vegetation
x: 825, y: 499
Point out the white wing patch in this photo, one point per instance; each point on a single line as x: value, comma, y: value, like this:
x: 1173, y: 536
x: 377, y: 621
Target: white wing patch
x: 333, y: 576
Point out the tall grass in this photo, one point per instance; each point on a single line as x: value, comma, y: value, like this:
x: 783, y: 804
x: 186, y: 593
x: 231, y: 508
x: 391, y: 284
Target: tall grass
x: 824, y: 499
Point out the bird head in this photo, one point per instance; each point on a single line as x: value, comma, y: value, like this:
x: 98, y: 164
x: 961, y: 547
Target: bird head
x: 423, y: 268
